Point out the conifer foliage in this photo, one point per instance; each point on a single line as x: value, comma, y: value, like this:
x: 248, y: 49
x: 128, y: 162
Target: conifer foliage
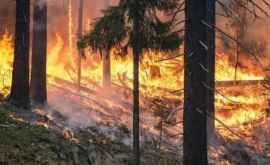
x: 134, y: 24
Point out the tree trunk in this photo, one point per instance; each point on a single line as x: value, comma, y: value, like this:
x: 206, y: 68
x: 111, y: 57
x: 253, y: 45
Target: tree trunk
x: 19, y: 95
x: 38, y: 82
x: 195, y: 79
x: 211, y: 20
x: 136, y: 108
x: 81, y: 52
x: 106, y: 60
x: 137, y: 50
x: 106, y: 67
x: 237, y: 53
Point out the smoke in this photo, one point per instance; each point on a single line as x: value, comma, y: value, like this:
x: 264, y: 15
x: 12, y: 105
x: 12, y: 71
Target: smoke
x: 255, y: 38
x: 57, y: 13
x: 7, y: 16
x: 41, y: 3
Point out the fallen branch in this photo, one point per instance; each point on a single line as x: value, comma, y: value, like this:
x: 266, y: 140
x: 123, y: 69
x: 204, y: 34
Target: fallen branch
x: 240, y: 83
x: 7, y: 125
x: 220, y: 122
x: 170, y: 58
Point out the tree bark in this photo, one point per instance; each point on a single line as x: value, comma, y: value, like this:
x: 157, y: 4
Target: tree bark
x: 106, y: 61
x: 211, y: 20
x: 106, y: 67
x: 19, y: 95
x: 81, y: 51
x: 137, y: 50
x: 136, y: 108
x: 38, y: 82
x: 195, y: 78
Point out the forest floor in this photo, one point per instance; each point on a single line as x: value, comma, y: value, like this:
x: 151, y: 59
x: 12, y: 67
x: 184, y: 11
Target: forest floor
x: 26, y: 139
x: 32, y: 138
x: 94, y: 128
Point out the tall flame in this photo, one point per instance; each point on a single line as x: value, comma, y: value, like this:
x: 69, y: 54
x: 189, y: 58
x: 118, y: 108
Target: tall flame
x: 6, y: 54
x: 238, y: 107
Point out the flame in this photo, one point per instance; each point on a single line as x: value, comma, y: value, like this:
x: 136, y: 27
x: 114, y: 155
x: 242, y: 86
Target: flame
x: 240, y: 106
x: 6, y: 53
x: 226, y: 70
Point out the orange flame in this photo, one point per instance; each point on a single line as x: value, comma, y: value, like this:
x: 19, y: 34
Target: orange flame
x: 154, y: 76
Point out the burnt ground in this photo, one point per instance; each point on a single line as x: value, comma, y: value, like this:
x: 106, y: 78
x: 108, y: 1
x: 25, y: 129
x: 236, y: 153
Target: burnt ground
x: 93, y: 128
x: 26, y: 139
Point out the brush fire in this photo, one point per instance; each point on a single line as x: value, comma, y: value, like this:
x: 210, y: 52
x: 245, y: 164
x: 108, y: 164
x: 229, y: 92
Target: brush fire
x: 84, y: 104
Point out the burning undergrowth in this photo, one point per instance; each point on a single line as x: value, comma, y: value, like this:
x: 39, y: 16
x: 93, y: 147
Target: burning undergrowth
x: 239, y: 103
x: 43, y: 141
x: 242, y: 101
x: 79, y: 120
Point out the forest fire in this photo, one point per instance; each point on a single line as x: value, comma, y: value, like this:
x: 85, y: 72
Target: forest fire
x: 235, y: 105
x: 152, y: 77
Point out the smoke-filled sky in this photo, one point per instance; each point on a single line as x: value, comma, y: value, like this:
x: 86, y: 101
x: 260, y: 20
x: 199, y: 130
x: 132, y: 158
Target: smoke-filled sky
x: 58, y: 13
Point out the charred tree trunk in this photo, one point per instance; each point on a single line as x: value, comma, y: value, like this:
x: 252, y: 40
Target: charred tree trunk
x: 137, y: 50
x: 38, y: 82
x: 211, y: 20
x: 81, y: 51
x: 19, y: 95
x: 195, y: 79
x: 106, y: 67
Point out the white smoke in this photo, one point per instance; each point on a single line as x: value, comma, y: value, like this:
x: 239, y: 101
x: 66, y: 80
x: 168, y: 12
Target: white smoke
x: 40, y: 3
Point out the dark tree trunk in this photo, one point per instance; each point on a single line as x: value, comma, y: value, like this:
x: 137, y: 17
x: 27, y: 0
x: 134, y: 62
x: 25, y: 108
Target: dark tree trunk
x: 38, y: 82
x: 137, y: 50
x: 237, y: 53
x: 195, y: 79
x: 211, y: 20
x: 19, y: 95
x: 106, y: 61
x: 81, y: 51
x: 106, y: 67
x: 136, y: 107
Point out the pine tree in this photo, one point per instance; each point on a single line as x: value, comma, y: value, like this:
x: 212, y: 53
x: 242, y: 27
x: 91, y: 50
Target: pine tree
x: 38, y: 82
x: 137, y: 15
x: 19, y: 95
x: 145, y: 32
